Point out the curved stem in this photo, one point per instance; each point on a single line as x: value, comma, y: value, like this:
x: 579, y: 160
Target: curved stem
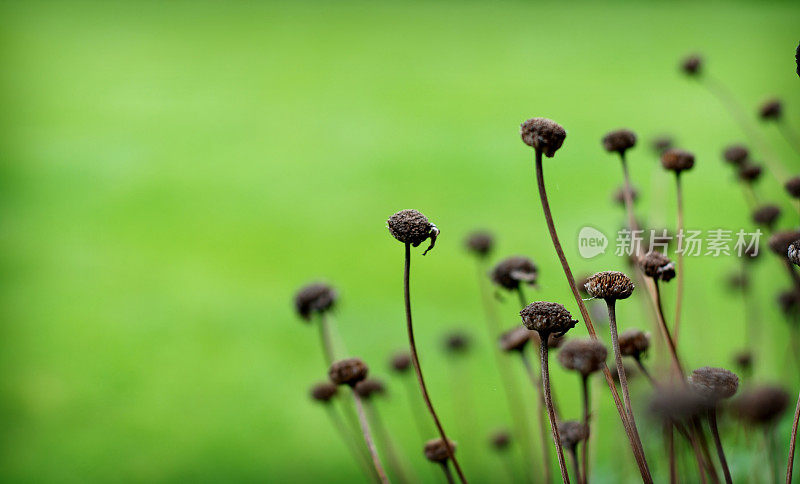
x: 792, y: 440
x: 418, y: 369
x: 548, y: 401
x: 540, y: 410
x: 712, y: 423
x: 665, y: 332
x: 447, y: 474
x: 352, y: 445
x: 681, y: 268
x: 633, y: 438
x: 376, y: 461
x: 585, y: 448
x: 325, y: 339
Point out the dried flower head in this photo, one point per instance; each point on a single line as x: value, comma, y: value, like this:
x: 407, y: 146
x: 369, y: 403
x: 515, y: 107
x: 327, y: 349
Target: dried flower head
x: 500, y: 440
x: 761, y: 405
x: 348, y: 372
x: 411, y: 227
x: 771, y: 110
x: 610, y: 285
x: 479, y: 243
x: 793, y: 252
x: 323, y: 392
x: 714, y: 384
x: 436, y: 450
x: 619, y: 141
x: 456, y: 342
x: 691, y: 65
x: 662, y: 143
x: 543, y: 134
x: 736, y: 154
x: 369, y: 387
x: 515, y: 339
x: 585, y: 356
x: 749, y: 172
x: 314, y: 298
x: 766, y: 215
x: 511, y: 272
x: 572, y: 433
x: 675, y: 402
x: 400, y: 362
x: 793, y: 187
x: 619, y: 195
x: 677, y: 160
x: 547, y: 318
x: 658, y: 266
x: 743, y: 360
x: 779, y: 242
x: 634, y: 342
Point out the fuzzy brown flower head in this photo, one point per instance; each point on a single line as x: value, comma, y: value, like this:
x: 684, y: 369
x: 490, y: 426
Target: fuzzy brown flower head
x: 572, y: 433
x: 619, y: 141
x: 553, y: 342
x: 793, y: 187
x: 714, y: 384
x: 500, y: 440
x: 515, y: 339
x: 323, y: 392
x: 585, y: 356
x: 619, y: 195
x: 766, y: 215
x: 634, y: 342
x: 610, y: 285
x: 749, y: 172
x: 677, y: 160
x: 793, y: 252
x: 761, y: 405
x: 675, y: 402
x: 411, y: 227
x: 779, y: 242
x: 691, y: 65
x: 370, y: 387
x: 479, y: 243
x: 348, y: 372
x: 743, y: 360
x: 400, y: 362
x: 547, y: 318
x: 314, y: 298
x: 662, y: 144
x: 456, y: 342
x: 771, y: 110
x: 543, y: 134
x: 510, y: 273
x: 436, y: 450
x: 736, y: 154
x: 657, y: 266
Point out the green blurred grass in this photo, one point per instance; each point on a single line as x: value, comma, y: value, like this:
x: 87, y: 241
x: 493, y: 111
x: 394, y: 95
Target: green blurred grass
x: 172, y: 172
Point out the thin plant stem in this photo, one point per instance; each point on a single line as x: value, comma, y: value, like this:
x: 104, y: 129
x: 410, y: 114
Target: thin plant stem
x: 413, y: 403
x: 447, y: 474
x: 705, y: 456
x: 548, y: 401
x: 376, y: 460
x: 633, y: 438
x: 585, y: 447
x: 418, y: 369
x: 665, y: 332
x: 698, y: 457
x: 712, y: 423
x: 385, y: 441
x: 670, y: 441
x: 681, y: 268
x: 325, y: 340
x: 645, y: 371
x: 540, y: 410
x: 352, y: 445
x: 768, y: 448
x: 789, y: 135
x: 576, y: 471
x: 792, y: 440
x: 521, y: 295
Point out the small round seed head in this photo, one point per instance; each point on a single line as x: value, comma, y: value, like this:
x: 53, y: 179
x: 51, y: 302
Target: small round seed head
x: 766, y: 215
x: 323, y: 392
x: 610, y: 285
x: 511, y: 272
x: 662, y: 143
x: 779, y: 242
x: 619, y: 195
x: 500, y: 440
x: 761, y: 405
x: 585, y: 356
x: 553, y: 341
x: 515, y: 339
x: 543, y: 134
x: 400, y: 362
x: 619, y: 141
x: 634, y: 342
x: 743, y: 360
x: 793, y: 187
x: 547, y: 318
x: 436, y: 450
x: 348, y: 372
x: 479, y: 243
x: 738, y: 281
x: 411, y: 227
x: 793, y: 252
x: 714, y: 384
x: 676, y: 402
x: 314, y: 298
x: 572, y: 433
x: 658, y: 266
x: 691, y: 65
x: 736, y: 154
x: 677, y: 160
x: 749, y: 172
x: 370, y: 387
x: 771, y: 110
x: 456, y: 342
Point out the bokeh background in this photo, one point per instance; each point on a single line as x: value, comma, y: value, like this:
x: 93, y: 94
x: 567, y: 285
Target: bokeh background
x: 173, y: 171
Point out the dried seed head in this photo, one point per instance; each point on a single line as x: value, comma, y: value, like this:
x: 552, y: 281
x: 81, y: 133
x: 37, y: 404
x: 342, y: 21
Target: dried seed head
x: 736, y: 154
x: 619, y: 195
x: 793, y: 187
x: 779, y: 242
x: 634, y: 342
x: 510, y: 273
x: 500, y: 440
x: 543, y: 134
x: 369, y: 387
x: 572, y: 433
x: 691, y: 65
x: 771, y: 110
x: 793, y: 252
x: 761, y: 405
x: 323, y: 392
x: 314, y: 298
x: 348, y: 372
x: 400, y: 362
x: 547, y: 318
x: 738, y: 281
x: 553, y: 342
x: 479, y: 243
x: 749, y: 172
x: 515, y: 339
x: 658, y: 266
x: 714, y: 384
x: 675, y: 402
x: 743, y: 360
x: 766, y: 215
x: 436, y: 450
x: 585, y: 356
x: 677, y: 160
x: 610, y: 285
x: 619, y: 141
x: 456, y: 342
x: 662, y: 143
x: 411, y: 227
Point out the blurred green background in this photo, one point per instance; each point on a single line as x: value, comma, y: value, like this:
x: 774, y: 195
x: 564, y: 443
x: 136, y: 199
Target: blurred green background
x: 173, y: 171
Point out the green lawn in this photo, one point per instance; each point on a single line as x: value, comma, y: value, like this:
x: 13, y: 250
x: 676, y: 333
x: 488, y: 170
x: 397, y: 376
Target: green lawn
x: 173, y: 171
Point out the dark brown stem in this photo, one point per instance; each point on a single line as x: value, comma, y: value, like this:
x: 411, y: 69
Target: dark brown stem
x: 681, y: 268
x: 645, y: 372
x: 712, y: 423
x: 418, y: 369
x: 447, y: 474
x: 698, y: 456
x: 792, y: 440
x: 670, y: 441
x: 540, y: 410
x: 548, y: 401
x: 635, y: 442
x: 705, y: 456
x: 376, y: 461
x: 576, y: 471
x: 521, y: 296
x: 348, y: 438
x: 325, y: 339
x: 585, y: 447
x: 665, y: 333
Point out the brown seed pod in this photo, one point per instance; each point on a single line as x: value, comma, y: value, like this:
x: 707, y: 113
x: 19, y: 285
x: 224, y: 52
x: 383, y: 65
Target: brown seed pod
x: 500, y: 440
x: 543, y: 134
x: 610, y: 285
x: 515, y: 339
x: 619, y: 195
x: 547, y: 318
x: 411, y: 227
x: 572, y: 433
x: 619, y: 141
x: 369, y: 387
x: 793, y: 187
x: 314, y: 298
x: 479, y: 243
x: 779, y: 242
x: 585, y: 356
x: 658, y: 266
x: 743, y: 360
x: 400, y: 362
x: 634, y: 342
x: 736, y: 154
x: 456, y: 342
x: 793, y: 252
x: 348, y: 372
x: 691, y: 65
x: 714, y: 384
x: 662, y: 143
x: 749, y: 172
x: 766, y: 215
x: 676, y: 402
x: 761, y: 405
x: 771, y: 110
x: 323, y: 392
x: 677, y: 160
x: 511, y: 272
x: 436, y: 450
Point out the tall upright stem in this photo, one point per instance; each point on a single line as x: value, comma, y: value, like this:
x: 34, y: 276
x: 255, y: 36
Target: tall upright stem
x: 548, y: 401
x: 573, y: 455
x: 665, y: 332
x: 792, y: 440
x: 376, y: 461
x: 633, y: 438
x: 352, y: 445
x: 585, y: 448
x: 417, y: 368
x: 712, y: 422
x: 670, y: 440
x: 325, y: 339
x: 447, y: 474
x: 681, y: 268
x: 540, y: 410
